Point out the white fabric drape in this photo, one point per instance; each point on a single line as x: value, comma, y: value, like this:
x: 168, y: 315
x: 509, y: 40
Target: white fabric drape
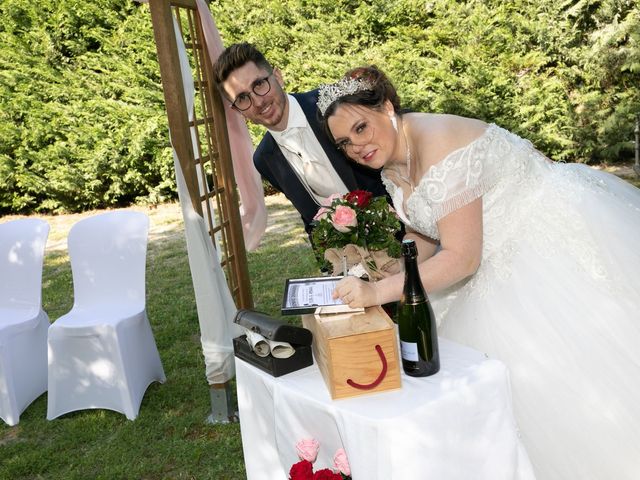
x: 455, y: 425
x: 214, y: 303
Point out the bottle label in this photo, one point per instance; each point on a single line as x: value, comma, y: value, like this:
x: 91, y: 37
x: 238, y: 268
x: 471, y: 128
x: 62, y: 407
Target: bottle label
x: 409, y: 351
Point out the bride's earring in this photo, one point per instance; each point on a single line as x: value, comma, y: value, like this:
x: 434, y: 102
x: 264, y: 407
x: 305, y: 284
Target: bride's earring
x: 394, y: 122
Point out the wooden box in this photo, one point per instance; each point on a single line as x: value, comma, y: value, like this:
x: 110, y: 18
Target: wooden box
x: 357, y: 353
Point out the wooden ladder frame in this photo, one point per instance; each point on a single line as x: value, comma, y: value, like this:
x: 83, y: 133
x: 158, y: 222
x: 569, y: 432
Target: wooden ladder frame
x: 215, y: 195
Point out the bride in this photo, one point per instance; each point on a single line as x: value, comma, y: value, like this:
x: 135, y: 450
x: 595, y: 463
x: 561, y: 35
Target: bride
x: 538, y: 265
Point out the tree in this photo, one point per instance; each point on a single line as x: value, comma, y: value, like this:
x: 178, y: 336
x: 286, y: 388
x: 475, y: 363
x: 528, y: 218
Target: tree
x: 82, y: 120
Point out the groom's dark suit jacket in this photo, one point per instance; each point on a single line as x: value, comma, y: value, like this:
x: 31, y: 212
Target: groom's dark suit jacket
x: 273, y: 166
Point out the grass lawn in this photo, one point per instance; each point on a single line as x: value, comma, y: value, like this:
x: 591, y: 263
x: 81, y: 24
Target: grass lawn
x: 170, y: 439
x: 625, y: 172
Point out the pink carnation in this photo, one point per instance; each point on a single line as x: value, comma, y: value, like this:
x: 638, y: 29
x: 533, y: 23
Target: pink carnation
x: 344, y: 218
x: 307, y: 449
x: 341, y: 463
x: 322, y: 213
x: 329, y: 200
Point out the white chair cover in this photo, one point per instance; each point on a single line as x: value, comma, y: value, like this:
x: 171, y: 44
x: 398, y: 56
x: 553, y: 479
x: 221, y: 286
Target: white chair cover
x: 23, y: 323
x: 102, y: 353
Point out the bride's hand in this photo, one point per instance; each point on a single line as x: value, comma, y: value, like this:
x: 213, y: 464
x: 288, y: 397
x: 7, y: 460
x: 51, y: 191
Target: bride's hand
x: 356, y: 293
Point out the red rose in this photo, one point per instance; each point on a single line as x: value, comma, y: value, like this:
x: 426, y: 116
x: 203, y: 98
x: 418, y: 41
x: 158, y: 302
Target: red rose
x: 359, y: 197
x: 301, y: 471
x: 326, y: 474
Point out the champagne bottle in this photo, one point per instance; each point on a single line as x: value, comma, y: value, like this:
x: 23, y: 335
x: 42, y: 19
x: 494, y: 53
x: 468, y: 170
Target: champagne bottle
x: 416, y: 322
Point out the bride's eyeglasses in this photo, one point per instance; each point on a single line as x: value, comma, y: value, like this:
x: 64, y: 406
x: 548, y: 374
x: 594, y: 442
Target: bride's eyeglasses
x: 260, y: 88
x: 363, y: 133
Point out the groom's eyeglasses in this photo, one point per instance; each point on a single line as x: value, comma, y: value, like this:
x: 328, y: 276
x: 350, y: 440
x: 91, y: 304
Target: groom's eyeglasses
x: 260, y: 88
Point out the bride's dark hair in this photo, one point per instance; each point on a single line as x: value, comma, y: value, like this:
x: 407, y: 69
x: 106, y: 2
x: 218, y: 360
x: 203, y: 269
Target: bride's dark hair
x: 382, y: 89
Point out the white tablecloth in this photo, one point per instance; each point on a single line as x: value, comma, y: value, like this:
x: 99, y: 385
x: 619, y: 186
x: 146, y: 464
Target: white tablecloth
x: 457, y: 424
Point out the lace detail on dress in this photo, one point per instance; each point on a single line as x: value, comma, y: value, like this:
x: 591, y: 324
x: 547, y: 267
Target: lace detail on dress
x: 529, y: 202
x: 544, y: 215
x: 555, y: 298
x: 460, y: 178
x: 388, y: 184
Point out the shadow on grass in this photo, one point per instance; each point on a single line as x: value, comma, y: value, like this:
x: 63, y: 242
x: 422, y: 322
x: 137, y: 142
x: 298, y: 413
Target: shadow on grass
x: 170, y: 438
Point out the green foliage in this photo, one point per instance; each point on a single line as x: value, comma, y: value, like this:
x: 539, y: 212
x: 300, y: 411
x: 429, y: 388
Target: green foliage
x: 607, y: 98
x: 535, y: 67
x: 82, y: 121
x: 356, y: 219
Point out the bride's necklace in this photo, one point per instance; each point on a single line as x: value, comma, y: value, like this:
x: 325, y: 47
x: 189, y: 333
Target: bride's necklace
x: 407, y: 160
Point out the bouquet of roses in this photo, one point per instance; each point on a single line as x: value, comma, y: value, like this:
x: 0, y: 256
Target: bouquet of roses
x: 361, y: 228
x: 307, y: 450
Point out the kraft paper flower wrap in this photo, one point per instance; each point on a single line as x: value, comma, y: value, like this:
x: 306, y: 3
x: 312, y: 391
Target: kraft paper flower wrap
x: 361, y: 228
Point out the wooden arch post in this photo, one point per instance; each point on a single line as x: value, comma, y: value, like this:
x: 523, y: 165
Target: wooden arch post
x: 204, y: 158
x: 214, y: 196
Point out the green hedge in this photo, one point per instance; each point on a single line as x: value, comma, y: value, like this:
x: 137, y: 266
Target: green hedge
x: 82, y: 121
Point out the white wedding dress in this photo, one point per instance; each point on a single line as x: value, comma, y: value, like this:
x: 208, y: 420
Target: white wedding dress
x: 556, y: 297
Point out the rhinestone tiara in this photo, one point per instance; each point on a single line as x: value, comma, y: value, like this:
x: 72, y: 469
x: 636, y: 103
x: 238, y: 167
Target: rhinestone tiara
x: 346, y: 86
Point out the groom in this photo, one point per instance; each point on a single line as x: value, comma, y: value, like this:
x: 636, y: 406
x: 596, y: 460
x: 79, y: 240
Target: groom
x: 295, y: 155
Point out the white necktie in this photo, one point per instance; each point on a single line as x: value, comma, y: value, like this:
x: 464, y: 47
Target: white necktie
x: 316, y: 174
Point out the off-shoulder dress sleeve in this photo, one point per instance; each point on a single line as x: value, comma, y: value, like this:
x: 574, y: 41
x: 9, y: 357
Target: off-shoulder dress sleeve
x: 460, y: 178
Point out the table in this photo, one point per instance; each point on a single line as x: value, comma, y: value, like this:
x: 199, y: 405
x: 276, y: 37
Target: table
x: 455, y: 425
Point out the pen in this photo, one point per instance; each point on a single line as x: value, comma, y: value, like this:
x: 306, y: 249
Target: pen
x: 344, y: 266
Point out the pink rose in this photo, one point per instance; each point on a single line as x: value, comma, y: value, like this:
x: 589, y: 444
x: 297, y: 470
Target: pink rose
x: 344, y: 218
x: 322, y: 213
x: 307, y: 449
x: 341, y: 463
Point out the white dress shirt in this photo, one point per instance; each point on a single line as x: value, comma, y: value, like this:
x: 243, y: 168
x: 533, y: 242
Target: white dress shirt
x: 304, y: 153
